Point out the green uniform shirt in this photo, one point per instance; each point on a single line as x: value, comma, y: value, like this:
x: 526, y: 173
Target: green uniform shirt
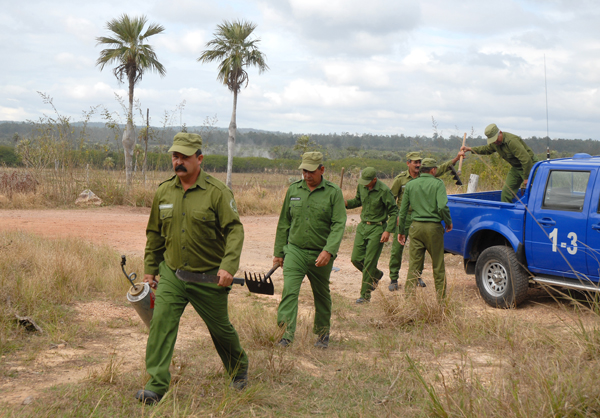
x: 513, y: 150
x: 378, y: 204
x: 428, y: 200
x: 311, y: 220
x: 402, y: 179
x: 197, y: 230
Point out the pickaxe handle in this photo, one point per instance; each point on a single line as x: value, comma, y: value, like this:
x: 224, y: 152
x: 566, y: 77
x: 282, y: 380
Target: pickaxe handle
x: 461, y: 158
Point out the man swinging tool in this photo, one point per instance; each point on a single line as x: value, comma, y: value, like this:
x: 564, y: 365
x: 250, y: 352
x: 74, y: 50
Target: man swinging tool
x: 514, y: 151
x: 193, y: 227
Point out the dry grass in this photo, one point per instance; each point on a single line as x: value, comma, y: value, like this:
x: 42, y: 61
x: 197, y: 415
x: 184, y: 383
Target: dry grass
x: 256, y: 194
x: 394, y: 357
x: 40, y: 278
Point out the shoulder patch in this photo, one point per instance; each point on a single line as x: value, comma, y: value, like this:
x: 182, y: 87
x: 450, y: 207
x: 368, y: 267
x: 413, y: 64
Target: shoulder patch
x: 233, y: 205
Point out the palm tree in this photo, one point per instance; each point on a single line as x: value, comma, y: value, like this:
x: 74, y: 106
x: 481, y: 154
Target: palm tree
x: 127, y: 48
x: 234, y: 50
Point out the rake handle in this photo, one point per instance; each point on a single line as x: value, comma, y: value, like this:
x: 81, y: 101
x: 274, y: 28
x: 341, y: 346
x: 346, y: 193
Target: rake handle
x: 461, y: 158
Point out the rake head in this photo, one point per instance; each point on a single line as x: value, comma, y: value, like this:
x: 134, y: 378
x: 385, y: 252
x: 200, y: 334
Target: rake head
x: 260, y: 284
x: 455, y: 176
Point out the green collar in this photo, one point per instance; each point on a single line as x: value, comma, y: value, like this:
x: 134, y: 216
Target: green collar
x: 200, y: 181
x: 320, y: 186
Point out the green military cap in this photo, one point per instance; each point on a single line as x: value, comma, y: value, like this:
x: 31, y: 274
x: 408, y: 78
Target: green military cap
x: 429, y: 163
x: 368, y: 174
x: 491, y: 131
x: 413, y: 156
x: 186, y: 144
x: 311, y: 161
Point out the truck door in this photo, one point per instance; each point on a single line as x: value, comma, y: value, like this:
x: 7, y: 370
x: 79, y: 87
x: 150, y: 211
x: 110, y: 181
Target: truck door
x: 557, y: 223
x: 593, y: 235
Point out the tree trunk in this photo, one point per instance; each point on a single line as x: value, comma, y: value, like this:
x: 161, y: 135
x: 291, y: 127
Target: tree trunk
x: 129, y: 137
x: 231, y: 141
x: 146, y: 145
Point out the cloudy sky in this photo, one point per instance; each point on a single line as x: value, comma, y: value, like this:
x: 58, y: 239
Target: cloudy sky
x: 377, y: 66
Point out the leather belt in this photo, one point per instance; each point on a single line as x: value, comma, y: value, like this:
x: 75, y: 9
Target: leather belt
x: 374, y: 223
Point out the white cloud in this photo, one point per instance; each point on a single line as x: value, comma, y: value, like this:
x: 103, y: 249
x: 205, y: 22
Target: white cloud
x: 92, y: 92
x: 380, y: 66
x: 188, y: 44
x: 346, y: 26
x: 82, y: 28
x: 13, y: 113
x: 318, y: 94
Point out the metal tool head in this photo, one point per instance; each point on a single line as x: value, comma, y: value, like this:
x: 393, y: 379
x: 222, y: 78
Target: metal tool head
x: 259, y: 284
x: 456, y: 177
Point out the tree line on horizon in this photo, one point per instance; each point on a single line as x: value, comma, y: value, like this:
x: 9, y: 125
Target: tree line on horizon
x: 280, y: 145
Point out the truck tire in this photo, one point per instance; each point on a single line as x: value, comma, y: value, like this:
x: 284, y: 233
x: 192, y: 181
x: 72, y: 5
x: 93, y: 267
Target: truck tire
x: 501, y: 279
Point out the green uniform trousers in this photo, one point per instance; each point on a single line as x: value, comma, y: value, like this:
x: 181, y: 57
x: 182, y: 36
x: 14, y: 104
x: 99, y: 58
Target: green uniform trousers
x: 297, y: 264
x: 365, y: 255
x: 426, y: 236
x: 210, y: 301
x: 396, y: 255
x: 513, y: 181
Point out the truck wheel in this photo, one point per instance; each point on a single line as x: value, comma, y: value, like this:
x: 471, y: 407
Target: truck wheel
x: 501, y: 280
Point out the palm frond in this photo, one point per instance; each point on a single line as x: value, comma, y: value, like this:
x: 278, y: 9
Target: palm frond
x: 234, y: 50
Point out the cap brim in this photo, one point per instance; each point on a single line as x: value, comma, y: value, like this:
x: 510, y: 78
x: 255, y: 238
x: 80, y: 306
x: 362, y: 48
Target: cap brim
x: 308, y: 167
x: 183, y: 150
x: 492, y: 139
x: 364, y: 182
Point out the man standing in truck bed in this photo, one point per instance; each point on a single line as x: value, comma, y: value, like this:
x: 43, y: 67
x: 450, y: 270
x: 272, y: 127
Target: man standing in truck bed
x: 514, y: 151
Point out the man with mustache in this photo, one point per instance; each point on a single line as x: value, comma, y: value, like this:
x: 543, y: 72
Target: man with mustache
x: 194, y: 226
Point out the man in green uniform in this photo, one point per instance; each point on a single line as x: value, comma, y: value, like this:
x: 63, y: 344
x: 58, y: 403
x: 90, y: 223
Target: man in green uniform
x: 514, y: 151
x: 379, y: 206
x: 426, y: 195
x: 309, y: 233
x: 414, y: 164
x: 193, y: 226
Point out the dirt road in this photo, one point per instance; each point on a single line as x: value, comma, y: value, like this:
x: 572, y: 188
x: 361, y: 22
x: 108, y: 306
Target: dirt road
x: 123, y: 228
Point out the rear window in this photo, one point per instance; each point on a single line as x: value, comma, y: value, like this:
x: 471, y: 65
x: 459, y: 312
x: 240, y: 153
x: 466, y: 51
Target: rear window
x: 565, y: 190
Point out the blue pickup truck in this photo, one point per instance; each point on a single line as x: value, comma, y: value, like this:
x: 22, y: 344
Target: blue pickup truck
x: 549, y: 235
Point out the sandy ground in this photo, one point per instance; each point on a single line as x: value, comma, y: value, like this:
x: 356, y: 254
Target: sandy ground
x: 123, y: 228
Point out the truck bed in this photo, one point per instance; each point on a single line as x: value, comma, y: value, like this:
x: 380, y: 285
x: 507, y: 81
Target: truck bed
x: 477, y: 211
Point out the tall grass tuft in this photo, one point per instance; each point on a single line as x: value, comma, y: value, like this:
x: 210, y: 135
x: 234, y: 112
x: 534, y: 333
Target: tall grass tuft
x: 40, y: 278
x: 421, y: 308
